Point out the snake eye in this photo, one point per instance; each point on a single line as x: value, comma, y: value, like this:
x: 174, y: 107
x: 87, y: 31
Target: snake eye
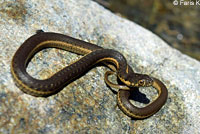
x: 141, y: 82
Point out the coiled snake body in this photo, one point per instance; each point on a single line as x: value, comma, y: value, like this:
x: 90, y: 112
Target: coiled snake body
x: 93, y: 54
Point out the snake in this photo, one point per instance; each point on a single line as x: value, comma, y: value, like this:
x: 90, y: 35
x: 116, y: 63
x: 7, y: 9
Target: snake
x: 92, y: 55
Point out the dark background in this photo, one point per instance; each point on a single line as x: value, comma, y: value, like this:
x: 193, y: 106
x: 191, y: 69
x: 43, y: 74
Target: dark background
x: 178, y: 25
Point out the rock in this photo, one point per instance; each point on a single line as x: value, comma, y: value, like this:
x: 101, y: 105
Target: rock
x: 87, y: 105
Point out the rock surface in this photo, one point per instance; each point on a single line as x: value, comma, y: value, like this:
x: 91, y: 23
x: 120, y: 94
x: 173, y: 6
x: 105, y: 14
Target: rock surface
x: 87, y: 105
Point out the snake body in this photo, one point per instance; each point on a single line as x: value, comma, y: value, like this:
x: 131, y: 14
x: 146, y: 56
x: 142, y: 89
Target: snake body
x: 92, y: 54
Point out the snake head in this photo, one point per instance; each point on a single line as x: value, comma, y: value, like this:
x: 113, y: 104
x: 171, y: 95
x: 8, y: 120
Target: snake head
x: 138, y: 80
x: 141, y: 80
x: 145, y: 81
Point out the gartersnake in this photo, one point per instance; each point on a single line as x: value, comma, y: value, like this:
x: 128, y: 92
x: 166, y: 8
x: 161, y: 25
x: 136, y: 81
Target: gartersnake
x: 93, y: 54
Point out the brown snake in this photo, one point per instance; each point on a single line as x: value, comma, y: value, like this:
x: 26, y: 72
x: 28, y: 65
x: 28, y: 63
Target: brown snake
x: 92, y: 54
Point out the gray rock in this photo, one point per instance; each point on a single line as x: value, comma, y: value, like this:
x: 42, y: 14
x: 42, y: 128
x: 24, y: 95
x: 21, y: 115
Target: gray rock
x: 87, y: 105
